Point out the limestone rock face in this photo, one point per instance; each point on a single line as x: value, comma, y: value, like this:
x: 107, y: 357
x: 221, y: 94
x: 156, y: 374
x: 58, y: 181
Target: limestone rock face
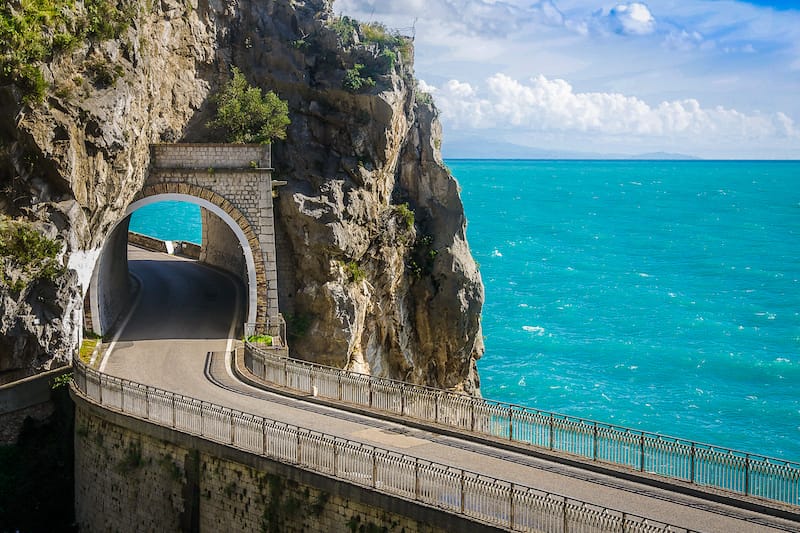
x: 380, y: 278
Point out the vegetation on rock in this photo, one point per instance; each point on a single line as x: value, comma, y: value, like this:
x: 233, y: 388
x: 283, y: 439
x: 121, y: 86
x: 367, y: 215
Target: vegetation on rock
x: 248, y: 116
x: 33, y: 31
x: 26, y: 255
x: 375, y: 51
x: 406, y: 214
x: 354, y: 80
x: 354, y: 271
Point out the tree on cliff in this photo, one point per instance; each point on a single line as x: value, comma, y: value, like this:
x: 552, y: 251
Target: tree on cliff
x: 248, y: 116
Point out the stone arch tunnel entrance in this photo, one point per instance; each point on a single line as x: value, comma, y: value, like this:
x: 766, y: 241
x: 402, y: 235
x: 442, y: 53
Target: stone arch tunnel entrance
x: 233, y: 186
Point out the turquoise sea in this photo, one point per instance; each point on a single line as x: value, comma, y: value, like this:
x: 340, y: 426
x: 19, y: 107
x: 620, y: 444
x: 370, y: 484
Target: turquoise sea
x: 663, y: 296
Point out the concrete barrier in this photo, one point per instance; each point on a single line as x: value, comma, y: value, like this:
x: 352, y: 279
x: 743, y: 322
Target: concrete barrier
x: 29, y: 391
x: 182, y: 248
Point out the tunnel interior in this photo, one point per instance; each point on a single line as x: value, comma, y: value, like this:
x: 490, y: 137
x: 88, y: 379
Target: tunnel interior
x: 223, y: 246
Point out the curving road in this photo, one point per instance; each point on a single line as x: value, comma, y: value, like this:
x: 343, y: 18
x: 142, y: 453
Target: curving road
x: 178, y: 338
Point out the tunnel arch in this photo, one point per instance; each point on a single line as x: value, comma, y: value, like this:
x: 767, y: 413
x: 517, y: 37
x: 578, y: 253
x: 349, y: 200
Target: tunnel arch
x: 103, y: 317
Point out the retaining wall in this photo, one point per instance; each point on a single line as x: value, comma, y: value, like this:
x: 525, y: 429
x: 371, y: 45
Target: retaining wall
x: 134, y: 476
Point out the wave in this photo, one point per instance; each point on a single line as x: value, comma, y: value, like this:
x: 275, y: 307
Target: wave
x: 538, y: 330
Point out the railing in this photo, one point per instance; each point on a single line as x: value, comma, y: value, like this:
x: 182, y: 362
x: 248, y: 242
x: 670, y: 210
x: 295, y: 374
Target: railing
x: 274, y: 327
x: 680, y: 459
x: 485, y: 499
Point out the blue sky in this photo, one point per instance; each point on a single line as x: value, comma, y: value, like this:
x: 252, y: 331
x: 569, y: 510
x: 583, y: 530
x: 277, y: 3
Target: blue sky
x: 711, y: 78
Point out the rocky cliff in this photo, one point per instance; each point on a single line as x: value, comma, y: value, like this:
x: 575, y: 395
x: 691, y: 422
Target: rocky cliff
x: 382, y: 278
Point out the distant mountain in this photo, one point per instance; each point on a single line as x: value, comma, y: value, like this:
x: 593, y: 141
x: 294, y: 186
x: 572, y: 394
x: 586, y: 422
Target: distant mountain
x: 667, y: 156
x: 469, y: 147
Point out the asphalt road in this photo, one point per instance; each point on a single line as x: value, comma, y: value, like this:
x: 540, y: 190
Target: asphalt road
x: 177, y: 337
x: 183, y: 311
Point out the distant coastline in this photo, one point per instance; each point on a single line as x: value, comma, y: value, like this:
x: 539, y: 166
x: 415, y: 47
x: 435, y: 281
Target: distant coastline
x: 470, y: 148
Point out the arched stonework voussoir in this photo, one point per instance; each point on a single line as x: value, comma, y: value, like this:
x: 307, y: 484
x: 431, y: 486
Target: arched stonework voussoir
x: 258, y: 295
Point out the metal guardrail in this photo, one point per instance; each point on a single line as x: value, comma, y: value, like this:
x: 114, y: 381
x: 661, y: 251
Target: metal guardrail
x: 700, y: 464
x: 493, y: 501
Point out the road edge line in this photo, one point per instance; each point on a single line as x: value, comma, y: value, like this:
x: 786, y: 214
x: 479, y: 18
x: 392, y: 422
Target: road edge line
x: 122, y: 325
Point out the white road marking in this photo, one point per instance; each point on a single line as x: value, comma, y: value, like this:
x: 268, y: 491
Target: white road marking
x: 124, y: 324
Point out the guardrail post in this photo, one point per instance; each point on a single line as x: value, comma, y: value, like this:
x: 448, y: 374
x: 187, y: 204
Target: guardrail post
x: 264, y: 445
x: 691, y: 465
x: 641, y: 452
x: 436, y: 407
x: 146, y: 404
x: 173, y: 410
x: 369, y: 387
x: 511, y: 507
x: 297, y: 454
x: 402, y: 399
x: 472, y: 421
x: 374, y: 468
x: 510, y: 424
x: 552, y: 430
x: 233, y: 430
x: 339, y: 381
x: 122, y: 398
x: 463, y: 505
x: 747, y: 475
x: 594, y: 442
x: 566, y: 522
x: 416, y: 478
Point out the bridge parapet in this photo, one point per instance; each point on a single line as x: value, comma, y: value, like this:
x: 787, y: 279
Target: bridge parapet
x: 768, y: 479
x: 485, y: 500
x: 216, y: 156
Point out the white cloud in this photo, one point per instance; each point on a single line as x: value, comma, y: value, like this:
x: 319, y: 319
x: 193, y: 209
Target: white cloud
x: 632, y: 19
x: 683, y: 40
x: 730, y: 53
x: 547, y: 105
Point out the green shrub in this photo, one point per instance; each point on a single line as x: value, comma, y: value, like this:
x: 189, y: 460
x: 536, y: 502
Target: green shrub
x: 390, y: 58
x: 375, y: 32
x: 354, y: 271
x: 406, y: 214
x: 345, y: 28
x: 32, y: 31
x: 354, y: 81
x: 248, y: 116
x: 26, y: 255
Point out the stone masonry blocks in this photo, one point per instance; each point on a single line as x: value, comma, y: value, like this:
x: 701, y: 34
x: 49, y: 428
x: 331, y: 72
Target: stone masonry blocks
x: 223, y: 175
x: 131, y: 475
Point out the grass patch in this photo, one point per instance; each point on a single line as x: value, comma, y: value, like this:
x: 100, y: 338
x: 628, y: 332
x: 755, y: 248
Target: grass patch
x: 354, y: 271
x: 87, y: 349
x: 33, y: 31
x: 405, y: 213
x: 260, y: 339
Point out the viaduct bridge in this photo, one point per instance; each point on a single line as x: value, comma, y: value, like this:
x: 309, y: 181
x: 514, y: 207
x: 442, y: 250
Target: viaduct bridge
x: 188, y: 430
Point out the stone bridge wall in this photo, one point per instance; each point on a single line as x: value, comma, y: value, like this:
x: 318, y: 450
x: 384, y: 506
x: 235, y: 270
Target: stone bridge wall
x: 135, y: 476
x: 238, y: 180
x: 205, y: 156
